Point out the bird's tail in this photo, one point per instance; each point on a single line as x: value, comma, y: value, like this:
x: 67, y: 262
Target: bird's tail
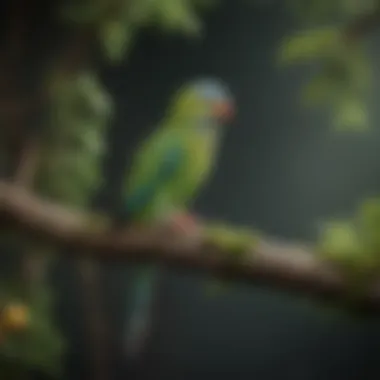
x: 138, y: 325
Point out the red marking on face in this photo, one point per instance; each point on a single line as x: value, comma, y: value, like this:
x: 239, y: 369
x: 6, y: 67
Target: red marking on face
x: 224, y: 110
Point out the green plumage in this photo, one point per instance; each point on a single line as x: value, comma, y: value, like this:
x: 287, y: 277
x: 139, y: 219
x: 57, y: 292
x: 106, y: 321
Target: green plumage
x: 189, y: 156
x: 168, y: 171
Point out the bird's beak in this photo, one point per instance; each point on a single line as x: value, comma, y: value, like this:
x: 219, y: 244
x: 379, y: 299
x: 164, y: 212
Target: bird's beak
x: 224, y: 110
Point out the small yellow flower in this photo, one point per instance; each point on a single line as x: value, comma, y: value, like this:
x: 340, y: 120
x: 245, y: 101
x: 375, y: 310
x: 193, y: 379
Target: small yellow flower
x: 15, y: 317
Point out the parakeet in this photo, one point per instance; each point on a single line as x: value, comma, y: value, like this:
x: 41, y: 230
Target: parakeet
x: 167, y: 173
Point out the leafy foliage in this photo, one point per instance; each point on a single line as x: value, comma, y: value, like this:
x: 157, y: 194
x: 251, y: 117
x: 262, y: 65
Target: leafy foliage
x: 69, y: 173
x: 354, y: 244
x: 118, y: 22
x: 311, y: 12
x: 70, y: 169
x: 341, y: 82
x: 38, y: 346
x: 344, y: 74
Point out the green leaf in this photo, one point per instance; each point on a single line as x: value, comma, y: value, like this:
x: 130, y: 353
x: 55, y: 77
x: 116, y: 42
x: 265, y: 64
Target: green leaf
x: 141, y: 12
x: 178, y: 16
x: 342, y: 244
x: 339, y: 240
x: 91, y: 141
x: 351, y: 115
x: 70, y: 171
x: 116, y: 37
x: 319, y: 90
x: 67, y: 192
x: 309, y: 45
x: 92, y: 95
x: 343, y: 83
x: 368, y: 221
x: 71, y: 177
x: 82, y: 98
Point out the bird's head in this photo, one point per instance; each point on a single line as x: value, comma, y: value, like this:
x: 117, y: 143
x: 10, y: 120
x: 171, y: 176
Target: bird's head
x: 208, y: 98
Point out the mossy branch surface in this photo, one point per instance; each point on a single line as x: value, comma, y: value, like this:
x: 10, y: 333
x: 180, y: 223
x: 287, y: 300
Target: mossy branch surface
x: 295, y: 267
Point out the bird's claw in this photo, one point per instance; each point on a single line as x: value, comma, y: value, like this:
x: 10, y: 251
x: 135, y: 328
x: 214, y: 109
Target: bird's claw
x: 184, y: 223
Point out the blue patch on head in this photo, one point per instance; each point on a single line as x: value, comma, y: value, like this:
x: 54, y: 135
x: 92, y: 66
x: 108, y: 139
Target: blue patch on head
x: 212, y: 89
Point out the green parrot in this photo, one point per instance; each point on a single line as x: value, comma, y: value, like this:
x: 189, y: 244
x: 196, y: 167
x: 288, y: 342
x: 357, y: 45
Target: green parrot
x: 167, y: 173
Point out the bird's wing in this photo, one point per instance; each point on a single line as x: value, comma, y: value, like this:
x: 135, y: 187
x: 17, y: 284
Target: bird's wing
x: 154, y: 166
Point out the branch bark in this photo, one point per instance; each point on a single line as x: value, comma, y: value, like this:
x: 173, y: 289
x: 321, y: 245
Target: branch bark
x: 294, y: 267
x: 362, y: 25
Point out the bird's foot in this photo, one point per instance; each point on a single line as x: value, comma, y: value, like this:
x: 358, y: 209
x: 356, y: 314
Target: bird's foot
x: 184, y: 223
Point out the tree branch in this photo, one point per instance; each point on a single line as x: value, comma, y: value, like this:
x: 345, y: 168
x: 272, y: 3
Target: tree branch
x: 288, y: 266
x: 362, y: 25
